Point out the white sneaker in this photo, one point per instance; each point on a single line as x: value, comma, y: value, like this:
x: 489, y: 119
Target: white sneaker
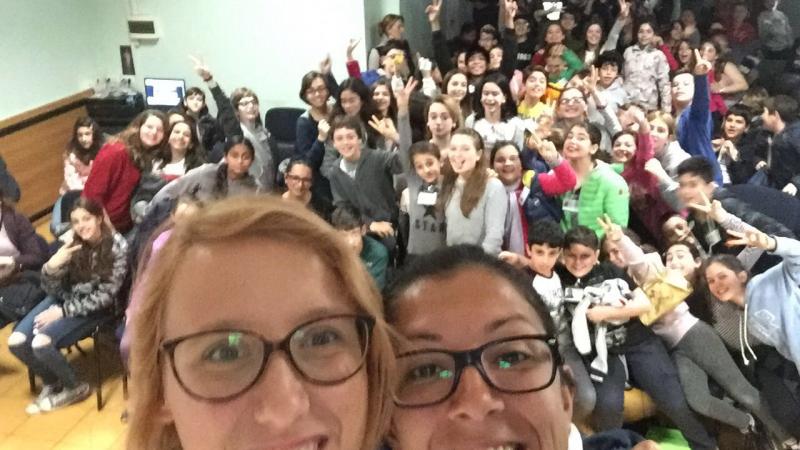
x: 48, y: 390
x: 65, y: 398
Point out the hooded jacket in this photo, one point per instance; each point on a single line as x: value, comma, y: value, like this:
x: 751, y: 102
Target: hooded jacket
x: 772, y: 303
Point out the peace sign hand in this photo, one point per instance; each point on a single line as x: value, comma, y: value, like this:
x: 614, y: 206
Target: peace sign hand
x: 612, y: 231
x: 702, y: 66
x: 752, y: 238
x: 433, y: 10
x: 712, y: 209
x: 201, y: 68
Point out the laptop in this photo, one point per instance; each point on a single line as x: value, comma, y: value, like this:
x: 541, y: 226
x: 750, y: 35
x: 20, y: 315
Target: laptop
x: 163, y: 93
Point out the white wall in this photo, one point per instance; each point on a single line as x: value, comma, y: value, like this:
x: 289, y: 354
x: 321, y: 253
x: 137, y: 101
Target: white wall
x: 266, y: 45
x: 374, y: 11
x: 54, y: 48
x: 45, y: 52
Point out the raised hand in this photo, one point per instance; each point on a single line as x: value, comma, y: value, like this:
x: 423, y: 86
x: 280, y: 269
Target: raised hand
x: 592, y: 79
x: 402, y: 95
x: 351, y: 45
x: 624, y: 10
x: 713, y: 209
x: 424, y: 65
x: 433, y: 11
x: 612, y: 231
x: 511, y: 8
x: 548, y: 152
x: 385, y: 127
x: 640, y: 119
x: 63, y: 256
x: 323, y: 130
x: 654, y: 167
x: 325, y: 65
x: 751, y: 238
x: 702, y: 66
x: 201, y: 68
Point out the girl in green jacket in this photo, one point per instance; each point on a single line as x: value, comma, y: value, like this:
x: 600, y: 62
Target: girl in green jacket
x: 599, y: 189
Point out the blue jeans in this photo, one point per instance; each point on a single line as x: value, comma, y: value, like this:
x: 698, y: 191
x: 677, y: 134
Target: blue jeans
x: 47, y: 361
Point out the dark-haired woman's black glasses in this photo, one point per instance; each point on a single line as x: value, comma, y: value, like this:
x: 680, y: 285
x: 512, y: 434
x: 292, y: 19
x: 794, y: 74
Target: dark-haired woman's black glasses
x: 512, y: 365
x: 219, y: 365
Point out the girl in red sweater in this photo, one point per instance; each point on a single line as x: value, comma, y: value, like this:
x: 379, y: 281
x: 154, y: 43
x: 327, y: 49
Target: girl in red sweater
x: 118, y: 166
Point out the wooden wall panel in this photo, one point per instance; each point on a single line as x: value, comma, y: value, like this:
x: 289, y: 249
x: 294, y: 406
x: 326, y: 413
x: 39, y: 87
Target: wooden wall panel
x: 33, y: 155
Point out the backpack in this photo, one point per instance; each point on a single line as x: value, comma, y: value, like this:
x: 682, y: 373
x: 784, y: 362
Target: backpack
x: 536, y: 205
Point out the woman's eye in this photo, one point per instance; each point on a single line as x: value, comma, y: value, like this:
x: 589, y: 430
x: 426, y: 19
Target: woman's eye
x: 223, y: 353
x: 429, y: 372
x: 510, y: 359
x: 322, y: 338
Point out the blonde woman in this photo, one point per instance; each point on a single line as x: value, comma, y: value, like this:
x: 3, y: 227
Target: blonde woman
x: 239, y: 354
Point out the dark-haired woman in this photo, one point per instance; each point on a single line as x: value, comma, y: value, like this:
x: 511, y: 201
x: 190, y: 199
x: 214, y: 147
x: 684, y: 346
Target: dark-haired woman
x: 119, y: 164
x: 299, y: 188
x: 469, y: 380
x: 82, y: 281
x: 316, y: 88
x: 213, y: 181
x: 83, y: 146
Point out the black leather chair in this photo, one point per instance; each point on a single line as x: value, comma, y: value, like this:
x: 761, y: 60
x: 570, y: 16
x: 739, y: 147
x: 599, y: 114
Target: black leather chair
x: 282, y: 125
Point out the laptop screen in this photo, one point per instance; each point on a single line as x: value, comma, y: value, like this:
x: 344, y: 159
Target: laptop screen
x: 163, y: 92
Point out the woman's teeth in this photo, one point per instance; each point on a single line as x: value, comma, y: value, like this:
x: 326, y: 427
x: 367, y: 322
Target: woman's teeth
x: 507, y: 447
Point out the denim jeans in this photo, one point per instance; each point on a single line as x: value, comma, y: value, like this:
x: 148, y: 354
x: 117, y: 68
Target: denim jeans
x: 47, y: 361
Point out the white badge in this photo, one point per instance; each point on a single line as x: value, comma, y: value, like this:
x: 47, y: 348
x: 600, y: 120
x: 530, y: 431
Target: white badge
x: 427, y: 198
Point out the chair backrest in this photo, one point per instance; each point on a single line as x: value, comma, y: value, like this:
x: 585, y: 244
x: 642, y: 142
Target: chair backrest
x: 282, y: 123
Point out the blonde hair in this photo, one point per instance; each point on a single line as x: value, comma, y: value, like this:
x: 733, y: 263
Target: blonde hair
x: 236, y: 218
x: 667, y: 118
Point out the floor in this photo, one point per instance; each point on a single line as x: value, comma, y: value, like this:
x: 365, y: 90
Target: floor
x: 75, y: 427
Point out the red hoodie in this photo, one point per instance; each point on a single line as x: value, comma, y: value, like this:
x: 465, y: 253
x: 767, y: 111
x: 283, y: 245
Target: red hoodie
x: 112, y: 181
